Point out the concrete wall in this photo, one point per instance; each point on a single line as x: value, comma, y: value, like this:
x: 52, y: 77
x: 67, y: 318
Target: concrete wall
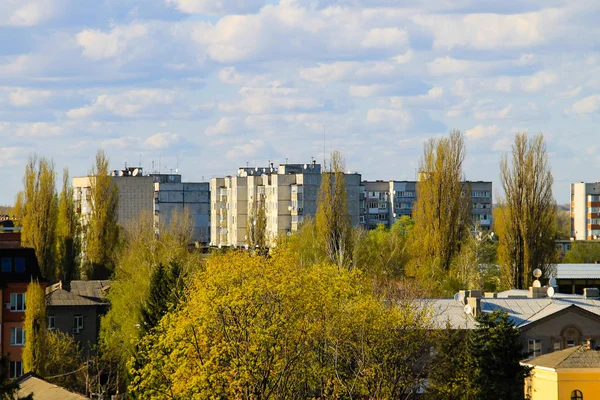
x: 64, y: 321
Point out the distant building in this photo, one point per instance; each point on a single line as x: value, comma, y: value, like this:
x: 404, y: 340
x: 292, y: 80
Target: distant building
x: 573, y: 373
x: 158, y: 194
x: 574, y: 278
x: 288, y: 193
x: 585, y: 211
x: 18, y: 267
x: 76, y: 308
x: 383, y: 202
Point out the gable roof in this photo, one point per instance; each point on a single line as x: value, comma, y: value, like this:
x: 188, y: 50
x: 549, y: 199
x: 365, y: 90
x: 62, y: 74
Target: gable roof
x: 41, y: 389
x: 81, y: 293
x: 574, y: 357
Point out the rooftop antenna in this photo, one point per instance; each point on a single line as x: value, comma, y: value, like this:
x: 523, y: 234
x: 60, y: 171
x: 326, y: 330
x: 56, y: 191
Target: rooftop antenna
x: 159, y: 165
x: 324, y: 125
x: 153, y: 170
x: 140, y: 164
x: 177, y: 164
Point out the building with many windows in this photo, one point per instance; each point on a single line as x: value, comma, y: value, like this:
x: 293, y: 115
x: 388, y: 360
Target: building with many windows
x: 585, y: 211
x: 383, y: 202
x: 288, y: 193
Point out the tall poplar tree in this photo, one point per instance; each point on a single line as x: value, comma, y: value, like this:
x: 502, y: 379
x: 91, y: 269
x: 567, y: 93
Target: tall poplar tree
x: 257, y: 224
x: 34, y: 352
x: 102, y: 231
x: 526, y: 223
x: 67, y: 238
x: 332, y: 220
x: 443, y: 208
x: 38, y: 206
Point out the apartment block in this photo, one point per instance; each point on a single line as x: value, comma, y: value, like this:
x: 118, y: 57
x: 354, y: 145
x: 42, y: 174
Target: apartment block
x: 585, y: 211
x: 160, y: 195
x: 383, y: 202
x: 289, y: 192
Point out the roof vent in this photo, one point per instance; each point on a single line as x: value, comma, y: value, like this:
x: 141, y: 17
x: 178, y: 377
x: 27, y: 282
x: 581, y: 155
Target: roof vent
x: 591, y: 293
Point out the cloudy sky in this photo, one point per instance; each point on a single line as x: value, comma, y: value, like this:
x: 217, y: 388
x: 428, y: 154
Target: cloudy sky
x: 209, y: 85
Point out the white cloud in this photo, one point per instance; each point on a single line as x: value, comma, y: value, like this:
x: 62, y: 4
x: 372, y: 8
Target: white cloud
x: 230, y: 75
x: 130, y: 104
x: 587, y: 105
x: 366, y: 90
x: 405, y: 57
x: 161, y: 140
x: 449, y: 66
x: 385, y: 38
x: 504, y: 144
x: 270, y: 99
x: 120, y: 40
x: 13, y: 156
x: 215, y: 7
x: 539, y: 81
x: 26, y: 98
x: 480, y: 131
x: 570, y: 93
x: 224, y: 125
x: 27, y: 13
x: 253, y: 147
x: 494, y: 114
x: 397, y: 118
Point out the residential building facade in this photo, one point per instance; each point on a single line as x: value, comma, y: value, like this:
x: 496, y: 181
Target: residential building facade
x: 585, y: 211
x: 383, y: 202
x: 288, y: 193
x: 18, y: 267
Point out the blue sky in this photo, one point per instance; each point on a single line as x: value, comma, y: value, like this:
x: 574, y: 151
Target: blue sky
x: 209, y: 85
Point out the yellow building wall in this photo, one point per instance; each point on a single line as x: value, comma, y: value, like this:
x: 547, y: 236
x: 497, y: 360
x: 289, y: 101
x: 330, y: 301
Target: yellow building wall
x: 585, y: 380
x: 542, y: 385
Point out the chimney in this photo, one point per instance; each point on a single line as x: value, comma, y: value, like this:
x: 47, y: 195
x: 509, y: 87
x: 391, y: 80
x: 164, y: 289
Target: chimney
x: 591, y: 293
x: 590, y: 344
x: 475, y: 303
x: 537, y: 292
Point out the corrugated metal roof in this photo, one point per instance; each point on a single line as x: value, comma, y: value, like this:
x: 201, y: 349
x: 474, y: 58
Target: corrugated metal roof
x: 577, y: 271
x: 43, y: 390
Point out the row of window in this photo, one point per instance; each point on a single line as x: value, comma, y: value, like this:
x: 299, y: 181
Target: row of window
x: 17, y: 334
x: 12, y: 264
x: 535, y: 346
x: 481, y: 194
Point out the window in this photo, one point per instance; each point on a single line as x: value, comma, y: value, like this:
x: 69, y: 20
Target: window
x: 78, y: 323
x: 576, y: 395
x: 16, y: 369
x: 17, y: 302
x: 51, y: 322
x: 535, y: 348
x: 570, y: 343
x: 17, y: 336
x: 6, y: 264
x: 557, y: 346
x: 19, y: 264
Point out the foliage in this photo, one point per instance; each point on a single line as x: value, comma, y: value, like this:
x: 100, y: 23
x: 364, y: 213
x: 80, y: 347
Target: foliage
x: 332, y: 221
x: 144, y: 252
x: 101, y: 230
x: 67, y: 235
x: 563, y: 224
x: 34, y: 352
x: 257, y: 224
x: 8, y: 388
x: 478, y: 364
x: 306, y: 243
x: 166, y: 290
x: 267, y: 327
x: 497, y: 350
x: 526, y: 221
x: 37, y: 207
x: 384, y: 252
x: 442, y: 211
x: 64, y: 364
x: 583, y: 252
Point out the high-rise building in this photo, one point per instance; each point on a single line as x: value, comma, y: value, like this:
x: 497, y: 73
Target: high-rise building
x: 288, y: 194
x: 383, y: 202
x: 585, y: 211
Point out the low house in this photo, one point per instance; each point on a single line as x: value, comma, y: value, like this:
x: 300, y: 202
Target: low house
x: 41, y: 389
x: 76, y: 309
x: 573, y: 278
x: 572, y: 373
x: 546, y: 323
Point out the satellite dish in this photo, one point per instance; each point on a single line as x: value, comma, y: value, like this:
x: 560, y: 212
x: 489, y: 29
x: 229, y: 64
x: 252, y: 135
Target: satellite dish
x: 552, y: 282
x: 305, y: 166
x: 537, y: 283
x: 121, y: 173
x: 136, y: 172
x: 468, y: 309
x: 289, y: 233
x: 537, y: 272
x: 550, y: 291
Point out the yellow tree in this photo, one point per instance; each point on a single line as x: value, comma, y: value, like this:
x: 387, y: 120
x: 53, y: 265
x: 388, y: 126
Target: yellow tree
x: 332, y: 220
x: 67, y: 238
x: 34, y: 352
x: 443, y: 209
x: 526, y: 223
x: 38, y: 208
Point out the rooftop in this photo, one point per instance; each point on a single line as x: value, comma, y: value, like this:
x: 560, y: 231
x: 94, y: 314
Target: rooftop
x: 44, y: 390
x: 80, y: 293
x: 577, y: 271
x: 574, y: 357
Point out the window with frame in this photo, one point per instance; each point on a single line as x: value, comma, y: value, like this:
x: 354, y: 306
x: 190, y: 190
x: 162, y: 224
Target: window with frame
x: 17, y: 336
x: 17, y: 302
x: 570, y: 343
x: 19, y: 264
x: 78, y: 323
x: 6, y: 263
x: 50, y: 322
x: 557, y: 346
x: 576, y: 395
x: 535, y: 348
x: 15, y: 369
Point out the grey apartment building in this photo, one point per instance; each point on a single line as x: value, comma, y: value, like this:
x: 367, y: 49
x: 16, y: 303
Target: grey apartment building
x: 383, y: 202
x: 289, y: 193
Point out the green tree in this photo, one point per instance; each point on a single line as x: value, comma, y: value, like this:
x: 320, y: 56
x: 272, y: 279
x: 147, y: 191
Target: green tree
x: 442, y: 211
x: 563, y: 223
x: 8, y: 388
x: 101, y: 230
x: 496, y: 349
x: 332, y: 220
x: 37, y: 205
x: 67, y: 236
x: 257, y: 224
x: 583, y: 252
x: 34, y: 352
x: 166, y: 290
x: 64, y: 364
x: 526, y: 219
x: 266, y: 327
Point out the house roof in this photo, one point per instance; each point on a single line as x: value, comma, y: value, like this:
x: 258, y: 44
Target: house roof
x: 577, y: 271
x: 574, y: 357
x: 44, y: 390
x: 521, y: 311
x: 81, y: 293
